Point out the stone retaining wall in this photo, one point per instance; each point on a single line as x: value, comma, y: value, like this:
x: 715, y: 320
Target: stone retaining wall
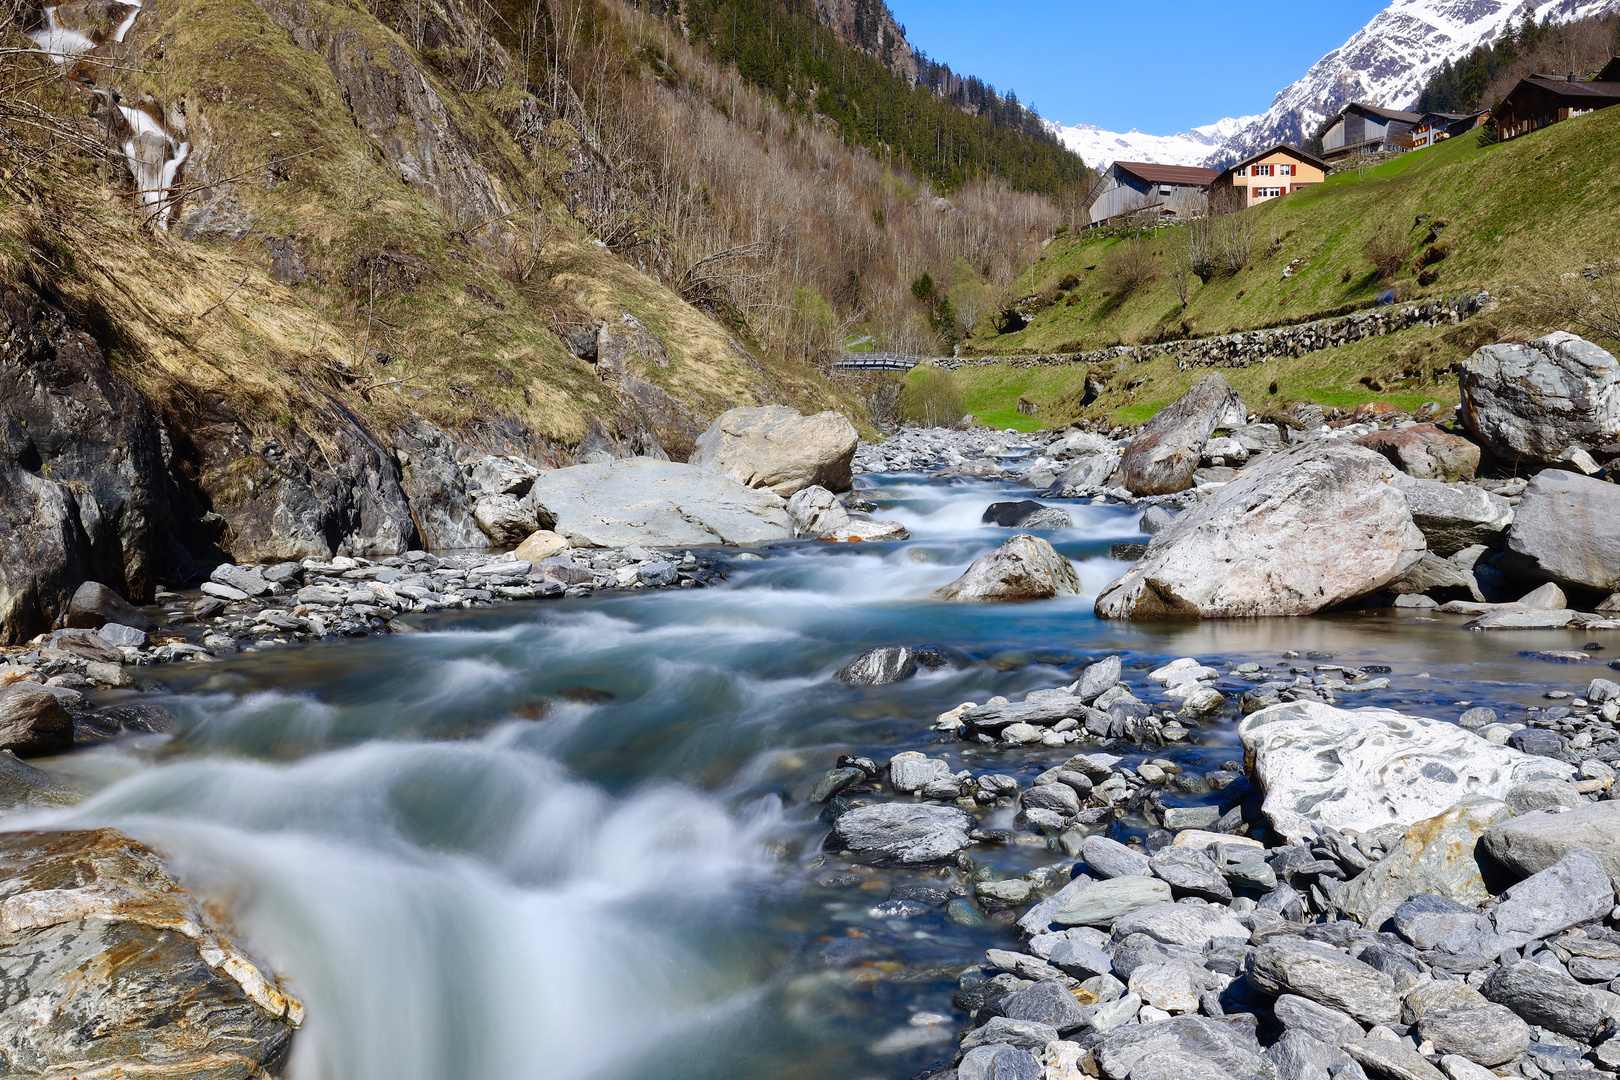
x: 1257, y: 346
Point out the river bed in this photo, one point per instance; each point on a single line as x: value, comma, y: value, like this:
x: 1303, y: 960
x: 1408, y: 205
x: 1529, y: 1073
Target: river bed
x: 572, y: 839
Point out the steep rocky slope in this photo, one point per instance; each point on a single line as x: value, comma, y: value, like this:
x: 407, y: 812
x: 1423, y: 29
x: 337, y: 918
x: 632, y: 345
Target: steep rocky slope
x: 325, y: 262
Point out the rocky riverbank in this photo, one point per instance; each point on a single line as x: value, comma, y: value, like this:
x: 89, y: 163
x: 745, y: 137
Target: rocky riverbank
x: 1373, y: 895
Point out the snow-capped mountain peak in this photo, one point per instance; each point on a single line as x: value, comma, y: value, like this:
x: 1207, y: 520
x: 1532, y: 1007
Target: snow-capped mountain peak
x: 1385, y: 63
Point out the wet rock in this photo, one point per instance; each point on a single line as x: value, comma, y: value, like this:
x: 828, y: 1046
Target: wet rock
x: 882, y: 667
x: 834, y: 781
x: 864, y: 529
x: 1024, y: 568
x: 91, y: 925
x: 1163, y: 457
x: 775, y: 447
x: 1549, y: 998
x: 1425, y: 452
x: 1097, y: 678
x: 1564, y: 529
x: 1101, y: 903
x: 1364, y: 768
x: 506, y: 521
x: 1538, y: 839
x: 1301, y: 530
x: 816, y: 513
x: 656, y: 503
x: 1435, y: 856
x: 1057, y: 797
x: 1487, y: 1034
x: 1027, y: 514
x: 1529, y: 403
x: 911, y: 772
x: 33, y: 721
x: 22, y: 784
x: 94, y: 605
x: 904, y: 833
x: 1199, y: 1041
x: 1326, y: 976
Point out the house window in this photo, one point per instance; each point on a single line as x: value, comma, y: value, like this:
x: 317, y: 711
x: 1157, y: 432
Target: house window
x: 1166, y: 189
x: 1267, y: 192
x: 1262, y: 170
x: 1285, y: 170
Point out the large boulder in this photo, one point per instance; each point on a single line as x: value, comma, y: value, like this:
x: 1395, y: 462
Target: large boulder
x: 1164, y: 455
x: 816, y: 512
x: 1302, y: 530
x: 1455, y: 516
x: 1364, y: 768
x: 114, y: 970
x: 1425, y: 452
x: 32, y: 721
x: 1024, y: 568
x: 656, y: 503
x: 44, y: 553
x: 1567, y: 528
x: 1529, y: 403
x: 775, y: 447
x: 504, y: 519
x: 1531, y: 842
x: 1090, y: 470
x: 94, y: 605
x: 1435, y: 857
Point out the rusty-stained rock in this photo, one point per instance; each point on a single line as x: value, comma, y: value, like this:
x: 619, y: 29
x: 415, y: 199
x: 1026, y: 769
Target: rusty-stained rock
x: 111, y: 969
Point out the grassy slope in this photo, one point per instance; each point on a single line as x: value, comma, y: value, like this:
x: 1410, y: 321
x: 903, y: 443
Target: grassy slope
x: 1512, y: 209
x: 468, y: 341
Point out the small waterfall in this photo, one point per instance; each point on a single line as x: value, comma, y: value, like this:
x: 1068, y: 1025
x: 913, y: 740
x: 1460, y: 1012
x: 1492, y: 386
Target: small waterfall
x: 77, y: 36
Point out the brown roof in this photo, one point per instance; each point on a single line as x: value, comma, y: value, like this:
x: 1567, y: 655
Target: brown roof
x: 1560, y: 85
x: 1286, y: 149
x: 1169, y: 174
x: 1387, y: 114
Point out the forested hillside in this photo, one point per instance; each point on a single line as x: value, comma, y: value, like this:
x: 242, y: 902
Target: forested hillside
x: 1482, y: 78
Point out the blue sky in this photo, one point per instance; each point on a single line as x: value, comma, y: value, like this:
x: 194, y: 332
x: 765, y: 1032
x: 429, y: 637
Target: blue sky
x: 1160, y: 67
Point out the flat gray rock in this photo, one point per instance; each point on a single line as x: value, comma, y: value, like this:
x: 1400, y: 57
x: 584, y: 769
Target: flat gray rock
x: 1105, y: 901
x: 1391, y: 1060
x: 1080, y: 960
x: 657, y: 503
x: 1227, y: 1046
x: 1365, y: 768
x: 1318, y: 1021
x: 1194, y: 926
x: 1024, y: 1034
x: 998, y: 1061
x: 1537, y: 839
x: 1045, y: 1002
x: 1191, y: 873
x: 1111, y: 859
x: 1098, y: 677
x: 1301, y: 1056
x: 904, y: 832
x: 1326, y: 976
x: 1453, y: 517
x: 1574, y: 890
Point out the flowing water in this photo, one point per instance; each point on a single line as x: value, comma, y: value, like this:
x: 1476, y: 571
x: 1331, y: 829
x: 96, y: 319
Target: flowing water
x: 572, y: 839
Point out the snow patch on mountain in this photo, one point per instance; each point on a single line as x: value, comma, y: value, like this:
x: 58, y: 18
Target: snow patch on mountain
x: 1100, y: 149
x: 1385, y: 63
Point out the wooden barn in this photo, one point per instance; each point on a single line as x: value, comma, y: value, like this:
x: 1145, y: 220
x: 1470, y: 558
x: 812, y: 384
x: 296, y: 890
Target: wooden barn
x: 1367, y: 129
x: 1174, y: 192
x: 1540, y: 100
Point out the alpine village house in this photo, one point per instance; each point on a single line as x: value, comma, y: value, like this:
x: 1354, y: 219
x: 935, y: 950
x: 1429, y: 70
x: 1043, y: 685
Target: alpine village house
x: 1267, y: 175
x: 1174, y: 192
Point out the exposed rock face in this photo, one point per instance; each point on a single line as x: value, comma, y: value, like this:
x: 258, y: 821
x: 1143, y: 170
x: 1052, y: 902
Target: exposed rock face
x: 92, y: 926
x: 658, y: 503
x: 775, y: 447
x: 1363, y: 768
x: 1455, y: 516
x: 84, y: 485
x: 32, y: 721
x: 1024, y: 568
x: 898, y: 832
x: 1162, y: 458
x: 435, y: 487
x: 1529, y: 403
x: 1300, y: 531
x: 1565, y: 528
x: 1425, y: 452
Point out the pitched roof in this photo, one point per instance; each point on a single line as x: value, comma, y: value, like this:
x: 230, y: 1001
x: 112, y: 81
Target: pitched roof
x: 1168, y: 174
x: 1282, y: 148
x: 1387, y: 114
x: 1560, y: 85
x: 1610, y: 71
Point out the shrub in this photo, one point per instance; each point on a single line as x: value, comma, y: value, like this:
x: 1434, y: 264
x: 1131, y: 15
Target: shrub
x: 1387, y: 251
x: 932, y: 398
x: 1129, y: 267
x: 1435, y: 252
x: 1068, y: 282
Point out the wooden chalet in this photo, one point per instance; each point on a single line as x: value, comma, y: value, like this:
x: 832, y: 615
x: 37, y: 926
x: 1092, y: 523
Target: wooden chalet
x: 1542, y: 100
x: 1173, y: 192
x: 1368, y: 129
